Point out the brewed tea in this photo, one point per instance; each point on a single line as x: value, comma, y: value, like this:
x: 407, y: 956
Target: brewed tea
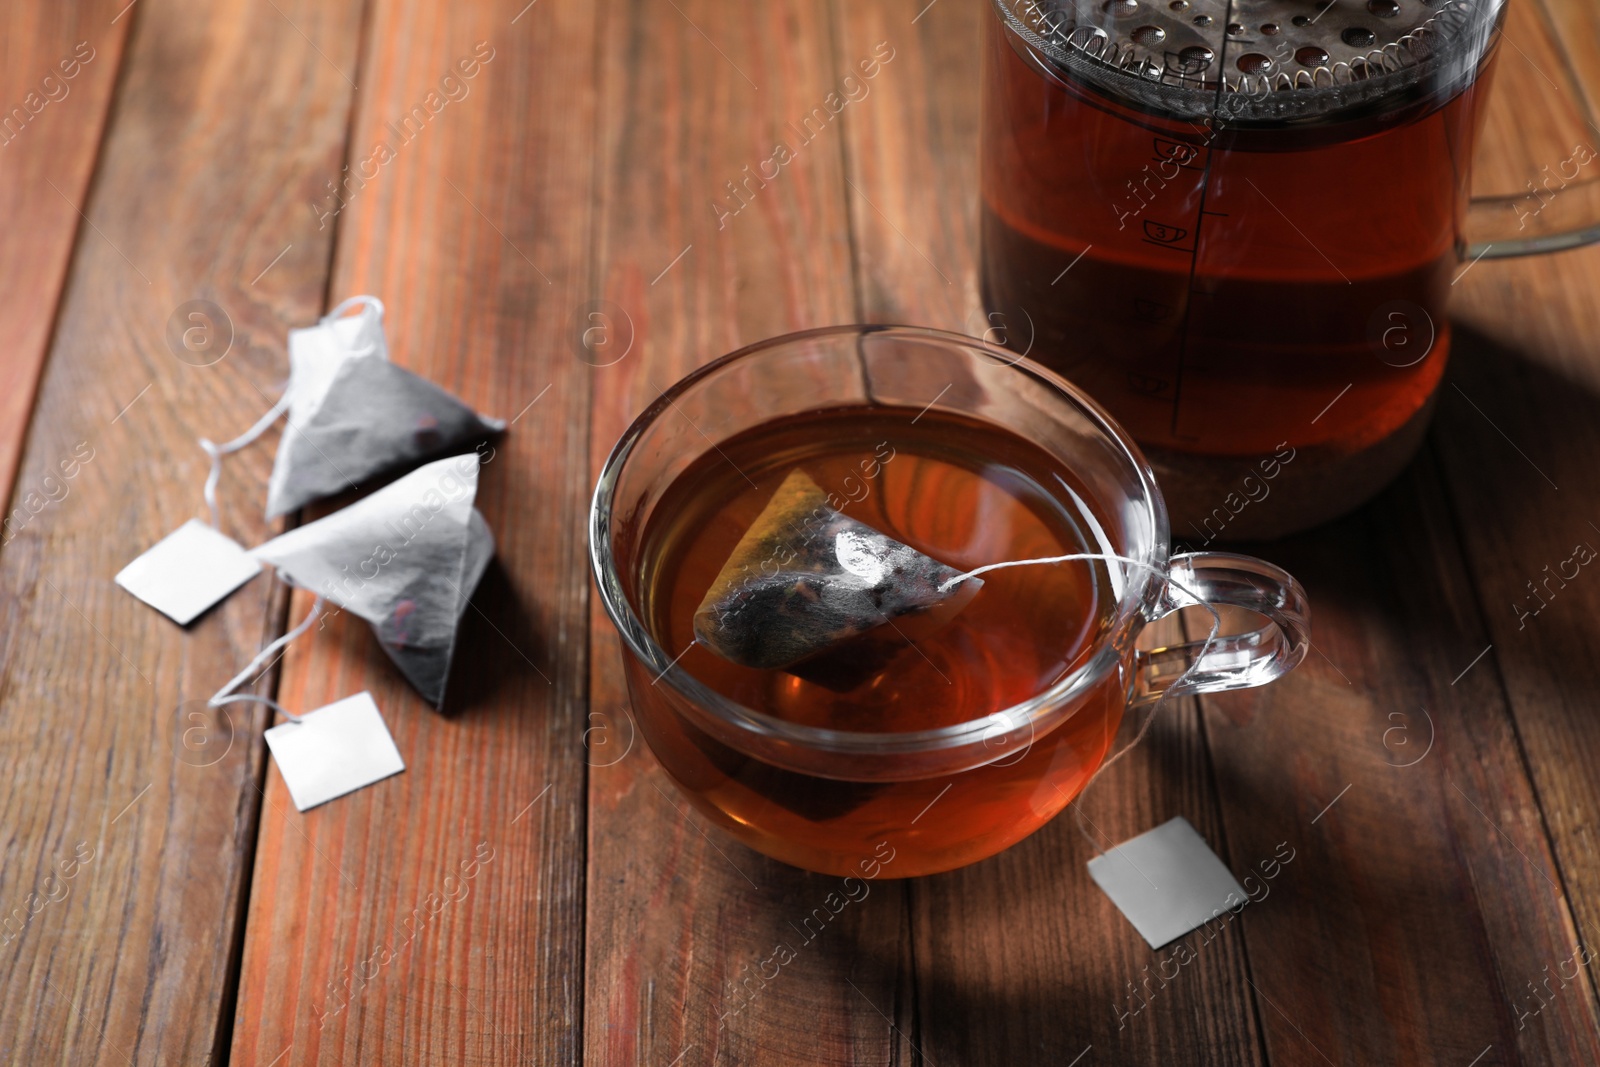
x: 1235, y: 225
x: 962, y: 492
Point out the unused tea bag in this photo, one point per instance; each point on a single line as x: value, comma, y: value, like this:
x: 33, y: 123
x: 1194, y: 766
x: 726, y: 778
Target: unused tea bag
x: 806, y: 580
x: 406, y: 559
x: 353, y: 414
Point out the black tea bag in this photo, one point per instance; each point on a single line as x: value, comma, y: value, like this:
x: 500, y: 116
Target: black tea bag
x: 805, y: 583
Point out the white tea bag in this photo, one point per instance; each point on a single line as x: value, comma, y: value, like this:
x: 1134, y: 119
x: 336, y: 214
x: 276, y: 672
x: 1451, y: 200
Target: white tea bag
x: 353, y: 414
x: 406, y: 559
x: 805, y: 579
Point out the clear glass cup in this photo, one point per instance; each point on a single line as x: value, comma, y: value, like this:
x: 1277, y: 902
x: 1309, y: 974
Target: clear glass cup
x: 1237, y: 224
x: 852, y: 803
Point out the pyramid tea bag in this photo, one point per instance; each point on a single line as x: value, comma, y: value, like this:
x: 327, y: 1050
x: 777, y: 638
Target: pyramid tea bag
x: 353, y: 414
x: 406, y: 559
x: 806, y: 582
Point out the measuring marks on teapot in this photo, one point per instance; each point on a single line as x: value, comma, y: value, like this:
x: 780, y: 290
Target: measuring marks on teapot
x: 1179, y: 232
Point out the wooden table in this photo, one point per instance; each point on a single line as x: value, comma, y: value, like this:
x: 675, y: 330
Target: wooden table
x: 1433, y: 891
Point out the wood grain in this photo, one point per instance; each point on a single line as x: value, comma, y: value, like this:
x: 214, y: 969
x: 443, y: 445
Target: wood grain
x: 1430, y: 765
x: 1573, y: 29
x: 50, y: 130
x: 104, y: 739
x: 1429, y: 898
x: 1423, y: 897
x: 679, y: 915
x: 913, y: 156
x: 436, y: 917
x: 1518, y: 443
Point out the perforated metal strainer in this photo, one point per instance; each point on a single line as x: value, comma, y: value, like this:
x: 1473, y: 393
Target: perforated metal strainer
x: 1257, y: 60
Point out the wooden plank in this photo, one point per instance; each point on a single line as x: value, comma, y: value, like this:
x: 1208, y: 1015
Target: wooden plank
x: 60, y: 69
x: 132, y: 962
x: 1517, y: 439
x: 436, y: 918
x: 1021, y: 958
x: 1522, y: 402
x: 1573, y: 28
x: 1420, y: 850
x: 1417, y: 861
x: 1538, y: 111
x: 914, y: 161
x: 679, y: 915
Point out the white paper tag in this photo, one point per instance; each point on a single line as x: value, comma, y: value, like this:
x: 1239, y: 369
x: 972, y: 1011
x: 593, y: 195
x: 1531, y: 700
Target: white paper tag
x: 334, y: 750
x: 1167, y: 881
x: 188, y: 571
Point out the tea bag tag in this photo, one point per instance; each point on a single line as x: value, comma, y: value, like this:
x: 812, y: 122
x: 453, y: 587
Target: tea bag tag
x: 1166, y: 882
x: 326, y: 753
x: 188, y: 571
x: 334, y: 750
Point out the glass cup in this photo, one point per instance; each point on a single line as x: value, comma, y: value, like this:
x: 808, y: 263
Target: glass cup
x: 1237, y: 225
x: 912, y: 803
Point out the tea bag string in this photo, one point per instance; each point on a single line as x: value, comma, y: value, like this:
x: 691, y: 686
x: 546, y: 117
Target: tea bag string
x: 1175, y: 687
x: 216, y: 451
x: 364, y: 301
x: 222, y: 696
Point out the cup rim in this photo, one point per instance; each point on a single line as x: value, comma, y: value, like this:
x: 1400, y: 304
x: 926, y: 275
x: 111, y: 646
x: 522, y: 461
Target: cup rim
x: 1107, y: 651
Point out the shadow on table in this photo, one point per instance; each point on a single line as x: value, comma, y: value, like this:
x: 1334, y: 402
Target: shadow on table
x: 1386, y: 934
x: 498, y: 648
x: 1021, y: 958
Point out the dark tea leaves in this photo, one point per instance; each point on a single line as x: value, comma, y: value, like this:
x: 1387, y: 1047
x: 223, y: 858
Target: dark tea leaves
x: 805, y: 580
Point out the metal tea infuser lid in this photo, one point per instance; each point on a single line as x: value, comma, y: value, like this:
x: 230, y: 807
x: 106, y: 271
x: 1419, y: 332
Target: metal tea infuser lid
x: 1258, y: 61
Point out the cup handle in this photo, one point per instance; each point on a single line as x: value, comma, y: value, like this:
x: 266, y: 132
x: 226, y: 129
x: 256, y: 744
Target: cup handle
x: 1234, y: 661
x: 1528, y: 223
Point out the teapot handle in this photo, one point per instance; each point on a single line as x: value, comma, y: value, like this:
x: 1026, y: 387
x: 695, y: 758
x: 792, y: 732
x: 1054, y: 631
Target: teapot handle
x: 1528, y: 224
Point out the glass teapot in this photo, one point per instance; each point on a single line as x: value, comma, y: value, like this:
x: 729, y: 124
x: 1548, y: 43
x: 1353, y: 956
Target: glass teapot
x: 1236, y: 223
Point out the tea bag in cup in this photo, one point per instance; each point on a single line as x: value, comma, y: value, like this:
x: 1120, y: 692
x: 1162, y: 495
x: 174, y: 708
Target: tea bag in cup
x: 353, y: 414
x: 824, y: 596
x: 406, y: 559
